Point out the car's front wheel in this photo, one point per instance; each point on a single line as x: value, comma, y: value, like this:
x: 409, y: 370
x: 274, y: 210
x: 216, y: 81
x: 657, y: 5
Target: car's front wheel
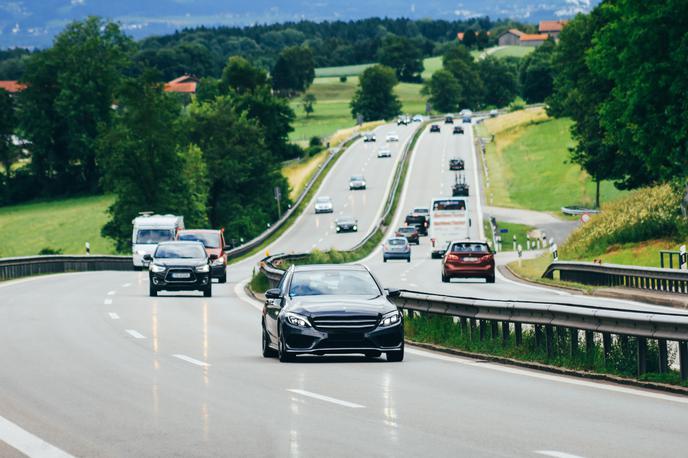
x: 282, y: 353
x: 396, y: 356
x: 384, y: 259
x: 223, y: 278
x: 208, y: 291
x: 152, y: 290
x: 268, y: 352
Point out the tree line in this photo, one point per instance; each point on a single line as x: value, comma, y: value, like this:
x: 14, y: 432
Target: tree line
x: 94, y: 119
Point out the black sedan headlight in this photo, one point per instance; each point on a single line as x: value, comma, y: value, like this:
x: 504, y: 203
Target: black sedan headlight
x: 297, y: 320
x: 157, y: 269
x: 390, y: 319
x: 203, y: 268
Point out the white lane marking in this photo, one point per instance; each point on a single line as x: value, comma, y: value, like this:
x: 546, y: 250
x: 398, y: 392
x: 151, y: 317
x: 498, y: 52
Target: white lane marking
x: 191, y: 360
x: 526, y: 285
x: 549, y: 377
x: 320, y: 397
x: 413, y: 285
x: 556, y: 454
x: 111, y: 293
x: 107, y: 301
x: 135, y: 334
x: 126, y: 285
x: 27, y: 443
x: 241, y: 294
x: 113, y: 315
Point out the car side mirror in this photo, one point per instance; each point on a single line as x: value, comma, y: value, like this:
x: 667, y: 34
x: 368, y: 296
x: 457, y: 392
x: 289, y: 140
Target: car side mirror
x: 147, y: 257
x: 393, y: 292
x: 213, y: 257
x: 273, y: 293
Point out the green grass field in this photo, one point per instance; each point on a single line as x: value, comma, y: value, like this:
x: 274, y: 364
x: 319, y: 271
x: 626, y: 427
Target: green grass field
x: 332, y: 112
x: 529, y: 164
x: 59, y: 225
x: 345, y: 70
x: 512, y: 51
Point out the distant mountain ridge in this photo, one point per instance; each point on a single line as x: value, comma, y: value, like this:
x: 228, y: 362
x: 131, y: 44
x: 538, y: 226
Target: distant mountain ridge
x: 33, y: 23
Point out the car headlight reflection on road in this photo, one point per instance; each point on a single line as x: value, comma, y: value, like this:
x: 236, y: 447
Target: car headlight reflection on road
x: 156, y: 268
x: 203, y: 268
x: 390, y: 319
x: 297, y: 320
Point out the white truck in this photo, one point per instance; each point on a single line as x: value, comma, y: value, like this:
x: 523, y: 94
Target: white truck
x: 450, y: 220
x: 149, y: 230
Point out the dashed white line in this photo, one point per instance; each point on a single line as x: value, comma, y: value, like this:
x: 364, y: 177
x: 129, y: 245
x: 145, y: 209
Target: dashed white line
x: 111, y: 293
x: 27, y: 443
x: 135, y: 334
x: 126, y: 285
x: 191, y: 360
x: 113, y: 315
x: 556, y: 454
x: 107, y: 301
x: 320, y: 397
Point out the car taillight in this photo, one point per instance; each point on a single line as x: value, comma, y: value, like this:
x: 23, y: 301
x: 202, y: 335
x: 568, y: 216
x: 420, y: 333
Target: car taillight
x: 452, y: 257
x: 425, y: 224
x: 486, y: 258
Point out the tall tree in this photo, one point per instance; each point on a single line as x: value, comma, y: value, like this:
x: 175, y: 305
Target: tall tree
x: 8, y: 124
x: 375, y: 98
x: 242, y: 76
x: 294, y: 70
x: 70, y: 92
x: 404, y: 56
x: 500, y: 81
x: 143, y: 164
x: 444, y: 91
x: 307, y: 101
x: 470, y: 39
x: 458, y: 61
x: 242, y: 171
x: 537, y: 74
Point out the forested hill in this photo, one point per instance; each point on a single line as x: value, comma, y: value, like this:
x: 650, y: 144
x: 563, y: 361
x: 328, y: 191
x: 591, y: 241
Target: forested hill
x: 33, y: 23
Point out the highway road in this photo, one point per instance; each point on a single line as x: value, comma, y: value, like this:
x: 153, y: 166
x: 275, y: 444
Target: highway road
x: 92, y: 366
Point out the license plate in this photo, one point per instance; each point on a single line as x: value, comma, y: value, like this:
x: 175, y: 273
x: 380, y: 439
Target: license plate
x: 469, y: 259
x: 181, y: 275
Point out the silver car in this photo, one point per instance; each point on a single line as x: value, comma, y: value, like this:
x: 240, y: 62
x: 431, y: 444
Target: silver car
x: 357, y: 182
x: 323, y: 204
x: 396, y: 248
x: 384, y: 153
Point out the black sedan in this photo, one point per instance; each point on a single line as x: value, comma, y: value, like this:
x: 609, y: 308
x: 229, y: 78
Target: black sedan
x: 346, y: 224
x: 325, y: 309
x: 458, y: 130
x: 434, y: 128
x: 456, y: 164
x: 180, y: 266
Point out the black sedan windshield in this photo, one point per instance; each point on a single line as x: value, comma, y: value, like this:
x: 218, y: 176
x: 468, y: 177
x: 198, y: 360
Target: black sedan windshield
x: 333, y: 283
x: 181, y: 251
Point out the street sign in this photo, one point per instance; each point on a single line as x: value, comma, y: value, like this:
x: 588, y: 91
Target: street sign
x: 504, y: 231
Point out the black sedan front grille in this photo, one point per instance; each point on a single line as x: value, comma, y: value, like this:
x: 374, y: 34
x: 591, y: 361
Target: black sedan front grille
x: 346, y: 322
x: 171, y: 276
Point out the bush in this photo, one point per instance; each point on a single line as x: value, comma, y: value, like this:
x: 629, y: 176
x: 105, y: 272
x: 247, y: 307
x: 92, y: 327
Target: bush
x: 315, y: 141
x: 517, y: 105
x: 342, y: 79
x: 645, y: 214
x: 48, y: 251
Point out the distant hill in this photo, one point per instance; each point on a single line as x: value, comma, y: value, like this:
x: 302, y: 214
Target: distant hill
x: 33, y: 23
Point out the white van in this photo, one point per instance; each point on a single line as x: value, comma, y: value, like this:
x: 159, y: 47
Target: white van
x: 149, y: 230
x: 450, y: 220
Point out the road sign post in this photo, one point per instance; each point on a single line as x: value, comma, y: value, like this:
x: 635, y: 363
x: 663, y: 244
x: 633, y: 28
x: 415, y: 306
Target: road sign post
x: 278, y: 197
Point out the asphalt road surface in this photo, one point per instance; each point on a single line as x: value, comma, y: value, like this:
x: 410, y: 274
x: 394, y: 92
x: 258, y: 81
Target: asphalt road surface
x: 92, y: 366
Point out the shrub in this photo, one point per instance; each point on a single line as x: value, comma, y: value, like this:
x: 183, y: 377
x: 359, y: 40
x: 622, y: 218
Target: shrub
x: 517, y: 105
x: 47, y: 251
x: 315, y: 141
x: 645, y: 214
x: 342, y: 79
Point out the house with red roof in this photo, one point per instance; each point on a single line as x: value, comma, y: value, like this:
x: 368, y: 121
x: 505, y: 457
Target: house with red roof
x: 12, y: 86
x: 186, y: 84
x: 533, y: 39
x: 552, y: 28
x: 511, y: 37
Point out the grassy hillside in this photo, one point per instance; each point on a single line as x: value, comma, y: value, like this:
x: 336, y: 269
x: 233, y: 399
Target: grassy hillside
x: 512, y: 51
x: 58, y: 225
x: 529, y: 165
x: 345, y: 70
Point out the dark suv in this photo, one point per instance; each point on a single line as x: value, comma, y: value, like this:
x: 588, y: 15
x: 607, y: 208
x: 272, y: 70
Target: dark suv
x: 410, y: 232
x: 180, y: 266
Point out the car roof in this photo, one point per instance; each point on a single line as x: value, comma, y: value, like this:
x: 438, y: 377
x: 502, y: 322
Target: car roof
x: 312, y: 267
x: 181, y: 242
x: 199, y: 231
x: 397, y: 238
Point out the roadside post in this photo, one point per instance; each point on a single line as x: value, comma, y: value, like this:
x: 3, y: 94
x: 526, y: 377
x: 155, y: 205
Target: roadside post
x: 88, y: 249
x: 527, y: 242
x: 513, y: 246
x: 683, y: 258
x: 555, y: 253
x: 520, y: 250
x: 278, y: 197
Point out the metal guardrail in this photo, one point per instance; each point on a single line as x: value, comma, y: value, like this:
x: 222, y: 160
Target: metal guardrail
x: 11, y: 268
x: 575, y: 211
x: 649, y: 278
x: 478, y: 313
x: 258, y: 240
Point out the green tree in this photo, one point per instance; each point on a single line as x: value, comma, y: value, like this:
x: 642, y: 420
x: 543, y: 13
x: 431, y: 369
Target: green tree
x: 470, y: 39
x: 404, y: 56
x: 307, y: 102
x: 242, y: 76
x: 579, y: 93
x: 458, y: 61
x: 643, y: 49
x: 500, y: 81
x: 142, y: 161
x: 294, y: 70
x: 375, y: 98
x: 242, y: 171
x: 444, y: 91
x: 537, y: 74
x: 8, y: 123
x: 71, y: 89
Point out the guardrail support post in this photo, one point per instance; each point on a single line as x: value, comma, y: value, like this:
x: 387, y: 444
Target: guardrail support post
x: 482, y: 329
x: 472, y: 324
x: 494, y: 329
x: 589, y: 343
x: 505, y: 332
x: 606, y: 346
x: 518, y: 331
x: 410, y: 314
x: 623, y: 342
x: 642, y: 355
x: 663, y: 356
x: 538, y: 336
x: 683, y: 358
x: 573, y: 334
x: 549, y: 337
x: 464, y: 325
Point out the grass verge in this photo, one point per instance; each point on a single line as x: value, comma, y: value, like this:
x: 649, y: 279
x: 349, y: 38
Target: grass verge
x: 59, y: 225
x: 512, y: 229
x: 298, y: 172
x: 445, y: 331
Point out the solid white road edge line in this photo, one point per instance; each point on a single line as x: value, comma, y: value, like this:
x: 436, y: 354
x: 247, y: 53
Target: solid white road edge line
x: 241, y: 294
x: 191, y: 360
x: 556, y: 454
x: 525, y: 285
x: 549, y: 377
x: 113, y: 315
x: 27, y: 443
x: 135, y: 334
x: 320, y: 397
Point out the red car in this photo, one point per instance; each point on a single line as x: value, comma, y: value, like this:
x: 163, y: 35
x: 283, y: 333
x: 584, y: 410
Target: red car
x: 214, y: 242
x: 468, y: 259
